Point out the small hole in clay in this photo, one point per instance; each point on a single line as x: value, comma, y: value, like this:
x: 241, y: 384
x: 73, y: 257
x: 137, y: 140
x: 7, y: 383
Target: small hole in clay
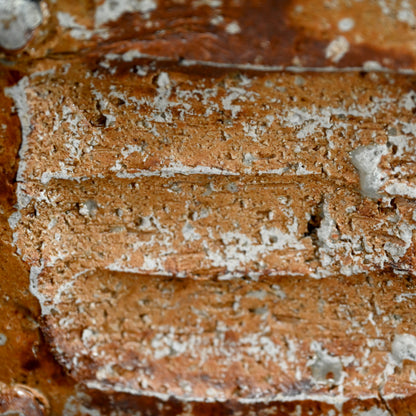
x: 100, y: 121
x: 273, y: 239
x: 330, y: 376
x: 313, y: 224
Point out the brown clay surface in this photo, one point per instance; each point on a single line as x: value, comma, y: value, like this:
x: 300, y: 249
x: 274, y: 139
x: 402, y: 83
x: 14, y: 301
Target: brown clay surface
x: 237, y: 339
x: 216, y: 173
x: 264, y: 32
x: 358, y: 326
x: 78, y: 226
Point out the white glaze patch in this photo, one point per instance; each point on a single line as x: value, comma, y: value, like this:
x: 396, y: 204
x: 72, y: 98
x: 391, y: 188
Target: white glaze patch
x: 346, y: 24
x: 374, y: 411
x: 366, y: 159
x: 18, y: 19
x: 336, y: 50
x: 233, y: 28
x: 403, y: 348
x: 111, y: 10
